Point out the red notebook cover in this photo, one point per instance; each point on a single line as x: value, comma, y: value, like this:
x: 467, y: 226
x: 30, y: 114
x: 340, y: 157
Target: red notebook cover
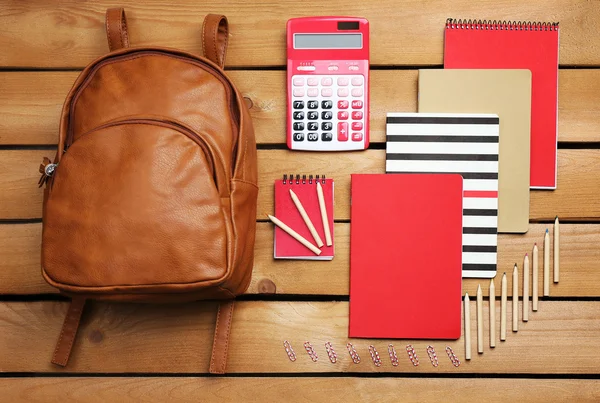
x: 305, y: 187
x: 406, y: 256
x: 532, y: 46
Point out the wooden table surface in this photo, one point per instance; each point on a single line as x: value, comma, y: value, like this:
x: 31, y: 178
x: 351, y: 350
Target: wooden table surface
x: 161, y: 352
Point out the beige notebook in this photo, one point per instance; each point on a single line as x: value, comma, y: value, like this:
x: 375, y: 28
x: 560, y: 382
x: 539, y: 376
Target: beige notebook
x: 506, y: 93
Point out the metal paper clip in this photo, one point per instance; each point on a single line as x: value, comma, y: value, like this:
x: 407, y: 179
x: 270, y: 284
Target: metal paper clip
x: 393, y: 355
x: 432, y: 356
x: 453, y: 358
x: 331, y: 352
x: 353, y: 353
x: 412, y: 355
x: 289, y: 350
x: 311, y: 351
x: 374, y: 355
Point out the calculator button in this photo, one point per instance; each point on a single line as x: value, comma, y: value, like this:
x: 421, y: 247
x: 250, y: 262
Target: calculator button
x: 298, y: 115
x: 298, y: 104
x: 313, y: 104
x: 326, y: 92
x: 313, y: 136
x: 313, y: 126
x: 312, y: 82
x: 326, y: 81
x: 342, y: 92
x: 298, y: 81
x: 326, y: 104
x: 313, y: 115
x: 342, y: 81
x: 356, y: 105
x: 342, y: 115
x: 357, y: 126
x: 343, y: 104
x: 357, y: 136
x: 326, y: 126
x: 353, y: 68
x: 326, y: 136
x: 298, y: 136
x: 298, y: 92
x: 326, y: 115
x: 356, y: 92
x: 356, y: 81
x: 298, y: 126
x: 342, y: 131
x: 313, y: 92
x: 356, y: 115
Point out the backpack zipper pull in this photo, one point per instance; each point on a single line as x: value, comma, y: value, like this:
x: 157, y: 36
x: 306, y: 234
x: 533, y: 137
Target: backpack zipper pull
x: 47, y: 168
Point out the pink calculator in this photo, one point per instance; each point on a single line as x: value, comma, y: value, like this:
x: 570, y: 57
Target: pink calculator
x: 328, y: 83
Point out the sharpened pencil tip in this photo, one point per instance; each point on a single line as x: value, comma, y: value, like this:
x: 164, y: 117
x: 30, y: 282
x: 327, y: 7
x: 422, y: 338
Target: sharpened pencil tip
x: 556, y: 218
x: 546, y: 230
x: 535, y: 244
x: 527, y: 254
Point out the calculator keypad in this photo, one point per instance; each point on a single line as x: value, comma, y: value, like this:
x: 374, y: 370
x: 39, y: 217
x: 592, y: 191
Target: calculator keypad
x: 328, y: 109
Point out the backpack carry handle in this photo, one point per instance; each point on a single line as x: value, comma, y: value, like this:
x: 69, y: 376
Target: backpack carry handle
x: 215, y: 35
x: 116, y: 29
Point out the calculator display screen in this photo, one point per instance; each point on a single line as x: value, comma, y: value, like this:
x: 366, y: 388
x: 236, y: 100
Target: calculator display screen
x: 327, y: 41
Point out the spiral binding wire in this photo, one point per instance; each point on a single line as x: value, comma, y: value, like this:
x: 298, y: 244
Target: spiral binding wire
x: 500, y: 25
x: 302, y: 178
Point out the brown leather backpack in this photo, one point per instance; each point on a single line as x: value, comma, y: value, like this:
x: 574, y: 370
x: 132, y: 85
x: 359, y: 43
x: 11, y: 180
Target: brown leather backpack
x: 152, y: 195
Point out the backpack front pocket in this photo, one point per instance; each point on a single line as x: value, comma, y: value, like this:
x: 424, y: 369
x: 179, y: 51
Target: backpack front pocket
x: 133, y: 206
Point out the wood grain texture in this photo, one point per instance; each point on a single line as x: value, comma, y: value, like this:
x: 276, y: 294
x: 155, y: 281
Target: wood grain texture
x: 575, y: 199
x: 71, y: 33
x: 31, y: 102
x: 312, y: 389
x: 176, y: 338
x: 580, y: 265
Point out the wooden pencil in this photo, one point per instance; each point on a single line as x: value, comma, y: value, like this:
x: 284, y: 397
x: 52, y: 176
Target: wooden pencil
x: 535, y: 274
x: 306, y: 218
x: 324, y: 218
x: 294, y: 234
x: 515, y: 300
x: 546, y: 264
x: 492, y: 292
x: 467, y: 324
x: 503, y: 306
x: 479, y: 320
x: 556, y: 249
x: 526, y: 288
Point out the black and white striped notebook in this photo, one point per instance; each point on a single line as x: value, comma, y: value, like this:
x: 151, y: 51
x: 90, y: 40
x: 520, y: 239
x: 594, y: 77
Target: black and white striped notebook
x: 455, y: 143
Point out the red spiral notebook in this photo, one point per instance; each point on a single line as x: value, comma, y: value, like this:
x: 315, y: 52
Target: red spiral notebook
x: 502, y: 45
x: 406, y: 256
x: 305, y: 187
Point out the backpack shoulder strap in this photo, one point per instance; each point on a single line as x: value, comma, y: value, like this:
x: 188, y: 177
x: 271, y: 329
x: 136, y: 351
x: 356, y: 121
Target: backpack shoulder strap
x: 218, y: 359
x: 215, y: 34
x: 68, y: 332
x: 116, y: 29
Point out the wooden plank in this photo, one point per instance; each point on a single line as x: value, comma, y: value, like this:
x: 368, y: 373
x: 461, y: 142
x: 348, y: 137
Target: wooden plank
x: 575, y: 199
x: 313, y: 389
x: 71, y: 33
x: 580, y: 263
x: 31, y: 102
x: 177, y: 338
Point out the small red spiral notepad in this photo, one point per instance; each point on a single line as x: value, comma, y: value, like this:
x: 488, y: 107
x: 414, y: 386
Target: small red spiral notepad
x: 305, y: 187
x: 522, y: 45
x: 406, y: 256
